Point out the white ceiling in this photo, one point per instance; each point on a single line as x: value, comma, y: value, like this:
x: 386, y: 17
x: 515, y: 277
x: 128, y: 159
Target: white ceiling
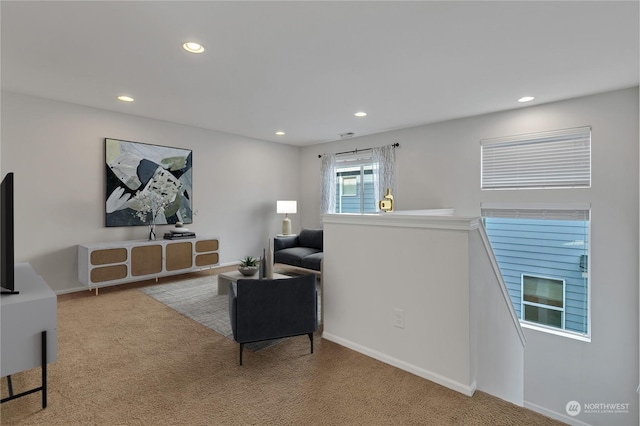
x: 307, y: 67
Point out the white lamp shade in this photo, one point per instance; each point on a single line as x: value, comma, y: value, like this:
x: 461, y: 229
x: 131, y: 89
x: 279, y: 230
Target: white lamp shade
x: 284, y: 206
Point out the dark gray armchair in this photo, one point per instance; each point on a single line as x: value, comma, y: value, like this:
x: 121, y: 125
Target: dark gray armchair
x: 272, y: 309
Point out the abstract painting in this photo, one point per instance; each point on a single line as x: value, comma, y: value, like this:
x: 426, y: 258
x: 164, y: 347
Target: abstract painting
x: 147, y: 184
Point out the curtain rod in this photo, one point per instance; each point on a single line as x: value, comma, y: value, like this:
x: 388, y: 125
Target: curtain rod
x: 355, y: 151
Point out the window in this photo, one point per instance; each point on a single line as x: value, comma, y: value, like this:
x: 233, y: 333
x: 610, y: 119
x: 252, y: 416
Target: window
x: 355, y: 191
x: 543, y: 300
x: 557, y: 159
x: 349, y: 184
x: 543, y: 255
x: 356, y: 182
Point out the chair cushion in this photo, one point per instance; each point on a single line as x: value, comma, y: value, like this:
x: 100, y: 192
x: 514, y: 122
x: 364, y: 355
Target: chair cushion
x: 313, y: 261
x: 311, y: 238
x: 293, y: 256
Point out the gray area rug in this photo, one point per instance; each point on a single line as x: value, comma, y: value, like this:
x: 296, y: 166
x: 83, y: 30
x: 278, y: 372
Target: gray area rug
x: 198, y: 299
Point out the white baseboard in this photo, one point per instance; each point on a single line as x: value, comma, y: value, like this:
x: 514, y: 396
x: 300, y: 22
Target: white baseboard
x: 554, y: 415
x: 467, y: 390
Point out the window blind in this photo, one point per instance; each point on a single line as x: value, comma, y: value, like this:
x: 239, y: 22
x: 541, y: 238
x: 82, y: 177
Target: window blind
x: 553, y: 159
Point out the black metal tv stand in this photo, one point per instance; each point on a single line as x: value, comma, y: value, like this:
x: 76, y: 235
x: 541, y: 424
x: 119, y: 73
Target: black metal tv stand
x: 28, y: 331
x: 42, y: 387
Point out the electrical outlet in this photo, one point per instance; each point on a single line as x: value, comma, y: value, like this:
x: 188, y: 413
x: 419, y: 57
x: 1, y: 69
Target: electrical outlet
x: 398, y: 318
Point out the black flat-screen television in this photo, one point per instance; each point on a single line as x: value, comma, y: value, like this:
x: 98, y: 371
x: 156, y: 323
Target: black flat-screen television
x: 6, y: 254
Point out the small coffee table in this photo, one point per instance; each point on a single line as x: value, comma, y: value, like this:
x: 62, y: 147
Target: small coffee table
x: 231, y: 277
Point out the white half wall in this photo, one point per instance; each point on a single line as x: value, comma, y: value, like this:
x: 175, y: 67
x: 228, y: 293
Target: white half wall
x: 369, y: 271
x: 418, y: 292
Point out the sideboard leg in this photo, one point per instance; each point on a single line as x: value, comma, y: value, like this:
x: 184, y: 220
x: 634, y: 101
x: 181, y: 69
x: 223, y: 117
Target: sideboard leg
x: 10, y: 385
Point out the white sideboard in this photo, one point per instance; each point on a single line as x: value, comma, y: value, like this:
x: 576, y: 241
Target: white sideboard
x: 28, y: 325
x: 105, y: 264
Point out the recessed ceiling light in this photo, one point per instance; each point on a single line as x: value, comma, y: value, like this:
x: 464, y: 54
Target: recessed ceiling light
x: 280, y: 133
x: 360, y: 114
x: 125, y: 98
x: 526, y: 99
x: 193, y: 47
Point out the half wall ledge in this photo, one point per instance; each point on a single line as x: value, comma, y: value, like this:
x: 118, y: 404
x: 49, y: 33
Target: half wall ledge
x: 434, y: 218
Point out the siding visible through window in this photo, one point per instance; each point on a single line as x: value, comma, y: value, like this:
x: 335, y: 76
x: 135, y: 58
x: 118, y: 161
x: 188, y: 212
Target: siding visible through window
x: 525, y: 243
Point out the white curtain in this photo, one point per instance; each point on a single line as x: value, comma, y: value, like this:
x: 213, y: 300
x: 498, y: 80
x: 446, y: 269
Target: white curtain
x: 328, y: 182
x: 384, y: 173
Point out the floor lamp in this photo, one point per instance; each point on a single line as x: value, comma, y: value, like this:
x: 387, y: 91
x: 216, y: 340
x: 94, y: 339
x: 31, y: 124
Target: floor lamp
x: 286, y: 207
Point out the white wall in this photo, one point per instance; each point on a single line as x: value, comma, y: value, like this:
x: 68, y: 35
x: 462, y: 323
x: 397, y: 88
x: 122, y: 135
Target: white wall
x: 57, y: 153
x: 498, y: 340
x: 439, y: 166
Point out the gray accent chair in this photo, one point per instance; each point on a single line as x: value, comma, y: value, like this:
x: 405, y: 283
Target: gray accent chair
x: 273, y: 309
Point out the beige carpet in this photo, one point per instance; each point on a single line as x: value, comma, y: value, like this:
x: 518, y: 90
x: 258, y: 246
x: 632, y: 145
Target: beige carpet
x: 126, y: 359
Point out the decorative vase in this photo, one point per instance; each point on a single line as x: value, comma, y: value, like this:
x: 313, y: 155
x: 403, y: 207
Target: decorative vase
x: 269, y: 261
x: 152, y: 232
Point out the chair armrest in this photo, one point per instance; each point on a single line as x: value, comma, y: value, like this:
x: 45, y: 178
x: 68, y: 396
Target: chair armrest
x: 280, y: 243
x: 233, y: 306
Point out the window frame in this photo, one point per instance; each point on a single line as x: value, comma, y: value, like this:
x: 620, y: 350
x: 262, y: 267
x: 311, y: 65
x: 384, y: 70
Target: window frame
x: 344, y: 186
x: 524, y: 302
